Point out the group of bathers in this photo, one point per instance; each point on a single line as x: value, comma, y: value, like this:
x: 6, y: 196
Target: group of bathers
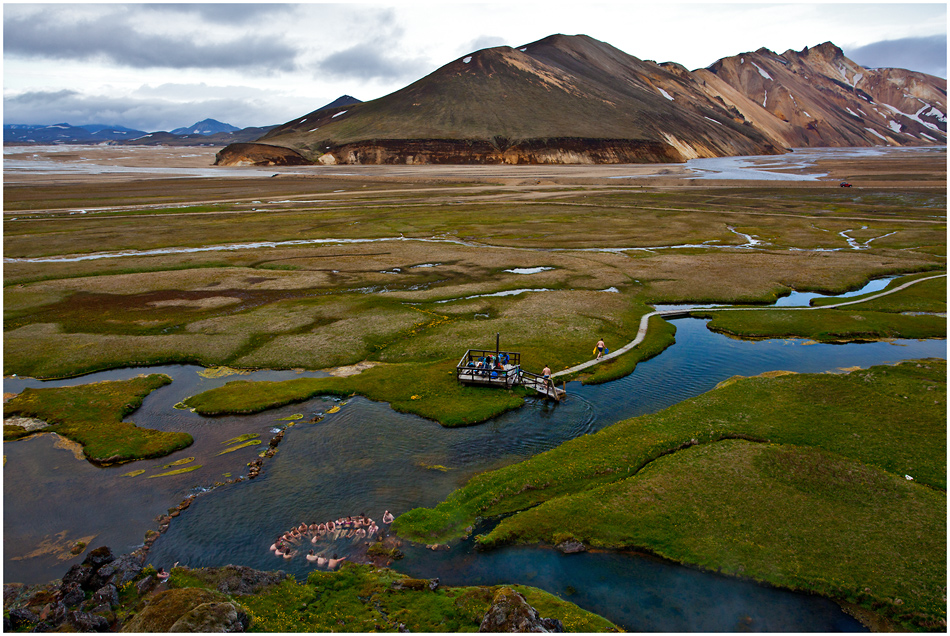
x: 490, y: 365
x: 355, y: 528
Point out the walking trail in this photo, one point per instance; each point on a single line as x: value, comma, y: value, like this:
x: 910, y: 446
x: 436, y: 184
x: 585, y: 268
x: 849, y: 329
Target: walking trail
x: 645, y: 320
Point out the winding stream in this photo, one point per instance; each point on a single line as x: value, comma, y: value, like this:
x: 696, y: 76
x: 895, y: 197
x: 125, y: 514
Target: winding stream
x: 368, y: 458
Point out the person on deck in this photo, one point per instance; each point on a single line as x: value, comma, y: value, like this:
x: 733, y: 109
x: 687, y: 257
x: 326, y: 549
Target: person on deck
x: 546, y: 374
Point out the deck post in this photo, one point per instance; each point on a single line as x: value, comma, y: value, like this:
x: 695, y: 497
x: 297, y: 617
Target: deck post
x: 497, y: 344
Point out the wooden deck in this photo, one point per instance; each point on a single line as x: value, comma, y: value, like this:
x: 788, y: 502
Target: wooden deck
x: 479, y: 367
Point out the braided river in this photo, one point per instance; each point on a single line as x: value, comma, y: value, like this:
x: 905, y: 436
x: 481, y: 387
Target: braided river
x: 367, y: 458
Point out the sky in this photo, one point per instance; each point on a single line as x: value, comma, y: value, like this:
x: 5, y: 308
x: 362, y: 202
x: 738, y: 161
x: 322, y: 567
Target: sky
x: 163, y: 66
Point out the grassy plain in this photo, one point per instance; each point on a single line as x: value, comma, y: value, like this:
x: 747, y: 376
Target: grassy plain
x: 414, y: 270
x: 91, y: 414
x: 801, y: 481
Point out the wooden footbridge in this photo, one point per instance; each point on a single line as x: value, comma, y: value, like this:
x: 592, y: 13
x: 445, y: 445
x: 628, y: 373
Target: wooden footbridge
x: 503, y: 368
x: 482, y: 367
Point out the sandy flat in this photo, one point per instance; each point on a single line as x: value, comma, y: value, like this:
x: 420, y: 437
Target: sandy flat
x: 39, y: 165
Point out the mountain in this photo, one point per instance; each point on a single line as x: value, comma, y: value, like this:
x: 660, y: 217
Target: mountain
x: 15, y: 134
x: 162, y: 138
x: 559, y: 100
x: 206, y: 127
x: 574, y: 99
x: 342, y: 100
x: 817, y: 97
x: 66, y: 134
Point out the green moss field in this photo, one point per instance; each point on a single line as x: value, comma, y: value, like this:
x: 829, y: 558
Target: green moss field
x: 828, y: 483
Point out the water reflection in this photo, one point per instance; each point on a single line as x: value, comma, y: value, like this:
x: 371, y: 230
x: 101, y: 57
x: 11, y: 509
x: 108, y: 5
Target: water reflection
x: 637, y: 592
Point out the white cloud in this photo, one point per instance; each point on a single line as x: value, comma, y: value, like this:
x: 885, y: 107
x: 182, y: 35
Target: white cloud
x: 277, y: 62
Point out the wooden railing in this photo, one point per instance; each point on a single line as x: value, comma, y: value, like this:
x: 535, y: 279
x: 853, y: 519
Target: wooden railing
x: 542, y: 385
x: 474, y: 368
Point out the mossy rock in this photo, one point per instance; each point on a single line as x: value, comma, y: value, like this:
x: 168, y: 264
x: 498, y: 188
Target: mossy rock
x: 213, y: 617
x: 167, y: 607
x: 380, y: 550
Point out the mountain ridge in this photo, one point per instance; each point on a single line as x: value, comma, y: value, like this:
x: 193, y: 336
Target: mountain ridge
x: 206, y: 127
x: 546, y: 101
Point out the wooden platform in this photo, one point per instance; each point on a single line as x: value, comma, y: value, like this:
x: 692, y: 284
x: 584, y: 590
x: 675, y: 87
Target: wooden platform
x: 479, y: 367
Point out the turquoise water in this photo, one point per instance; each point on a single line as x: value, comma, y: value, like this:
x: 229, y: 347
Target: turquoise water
x: 367, y: 458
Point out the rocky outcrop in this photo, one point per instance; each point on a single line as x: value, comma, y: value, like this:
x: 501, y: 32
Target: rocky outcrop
x: 167, y: 607
x: 510, y: 612
x: 253, y: 154
x: 530, y: 151
x: 571, y: 546
x: 62, y: 605
x: 213, y: 617
x: 237, y: 580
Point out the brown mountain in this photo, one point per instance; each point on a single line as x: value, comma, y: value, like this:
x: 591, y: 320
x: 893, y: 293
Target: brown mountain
x: 573, y: 99
x: 818, y: 98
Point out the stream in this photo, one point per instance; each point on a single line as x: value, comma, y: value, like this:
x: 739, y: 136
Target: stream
x: 367, y: 458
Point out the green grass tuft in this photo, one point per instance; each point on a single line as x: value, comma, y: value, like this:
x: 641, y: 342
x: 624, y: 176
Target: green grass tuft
x: 91, y: 414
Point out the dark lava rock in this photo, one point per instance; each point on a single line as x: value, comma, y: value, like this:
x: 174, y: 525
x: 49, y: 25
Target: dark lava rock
x: 10, y: 592
x: 120, y: 571
x: 85, y: 622
x: 105, y: 611
x: 213, y: 617
x: 22, y: 617
x: 510, y: 612
x: 99, y: 557
x: 106, y: 594
x: 239, y: 580
x: 571, y: 546
x: 53, y: 613
x: 72, y: 594
x: 80, y: 574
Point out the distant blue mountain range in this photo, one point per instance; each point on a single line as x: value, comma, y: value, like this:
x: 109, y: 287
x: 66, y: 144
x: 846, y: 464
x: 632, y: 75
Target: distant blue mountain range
x: 217, y: 132
x: 66, y: 133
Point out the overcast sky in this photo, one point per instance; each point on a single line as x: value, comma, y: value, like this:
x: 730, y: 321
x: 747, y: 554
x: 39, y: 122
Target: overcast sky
x: 162, y: 66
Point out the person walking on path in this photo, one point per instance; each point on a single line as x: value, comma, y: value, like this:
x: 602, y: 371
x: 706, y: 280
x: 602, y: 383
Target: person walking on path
x: 600, y: 348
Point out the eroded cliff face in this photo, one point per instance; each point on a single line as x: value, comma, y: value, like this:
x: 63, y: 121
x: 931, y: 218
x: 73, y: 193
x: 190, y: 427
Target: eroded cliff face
x: 532, y: 151
x: 258, y: 155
